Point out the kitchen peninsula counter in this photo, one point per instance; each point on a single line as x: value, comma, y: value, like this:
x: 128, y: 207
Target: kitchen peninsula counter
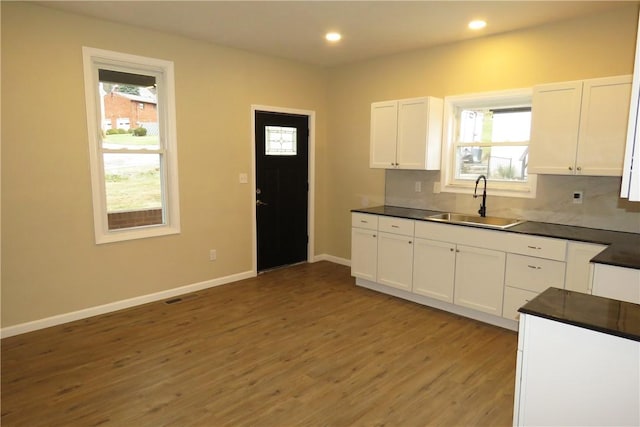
x: 609, y: 316
x: 577, y: 361
x: 623, y: 248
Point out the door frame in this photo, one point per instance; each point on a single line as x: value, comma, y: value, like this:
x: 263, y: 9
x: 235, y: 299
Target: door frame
x: 311, y: 115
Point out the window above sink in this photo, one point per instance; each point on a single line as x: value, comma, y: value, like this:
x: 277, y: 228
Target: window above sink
x: 488, y: 134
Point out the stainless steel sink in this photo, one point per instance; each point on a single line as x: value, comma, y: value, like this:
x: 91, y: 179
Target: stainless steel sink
x: 486, y: 221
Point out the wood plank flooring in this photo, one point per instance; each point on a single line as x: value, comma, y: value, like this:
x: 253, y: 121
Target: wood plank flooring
x: 300, y: 346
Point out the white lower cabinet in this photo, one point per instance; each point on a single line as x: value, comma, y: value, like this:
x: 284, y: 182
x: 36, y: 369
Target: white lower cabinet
x: 533, y: 265
x: 476, y: 271
x: 395, y: 260
x: 434, y: 266
x: 364, y: 246
x: 617, y: 283
x: 572, y: 376
x: 526, y: 277
x: 579, y: 268
x: 479, y: 279
x: 515, y: 298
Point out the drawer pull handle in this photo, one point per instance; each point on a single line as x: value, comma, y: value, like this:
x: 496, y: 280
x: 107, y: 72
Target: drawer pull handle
x: 533, y: 247
x: 364, y: 222
x: 534, y: 267
x: 394, y: 226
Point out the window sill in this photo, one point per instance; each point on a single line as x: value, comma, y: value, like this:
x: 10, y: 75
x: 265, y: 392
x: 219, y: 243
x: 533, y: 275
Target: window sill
x: 136, y: 233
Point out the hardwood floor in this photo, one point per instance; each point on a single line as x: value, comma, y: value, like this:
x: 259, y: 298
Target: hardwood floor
x: 296, y: 346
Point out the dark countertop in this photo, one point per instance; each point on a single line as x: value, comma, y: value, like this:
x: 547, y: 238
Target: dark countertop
x: 623, y: 248
x: 609, y: 316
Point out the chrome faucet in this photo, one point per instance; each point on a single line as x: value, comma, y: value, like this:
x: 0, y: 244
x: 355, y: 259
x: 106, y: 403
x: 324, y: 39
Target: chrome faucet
x: 483, y: 206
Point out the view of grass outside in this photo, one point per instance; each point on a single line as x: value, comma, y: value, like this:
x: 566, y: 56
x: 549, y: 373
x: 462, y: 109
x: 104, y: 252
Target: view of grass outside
x: 132, y: 180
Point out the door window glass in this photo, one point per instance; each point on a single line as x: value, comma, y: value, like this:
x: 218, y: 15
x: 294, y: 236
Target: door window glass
x: 280, y: 141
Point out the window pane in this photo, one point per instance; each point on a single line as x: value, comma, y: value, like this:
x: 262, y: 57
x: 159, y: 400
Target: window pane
x: 494, y: 125
x: 498, y: 163
x: 132, y: 181
x: 280, y: 141
x: 129, y: 112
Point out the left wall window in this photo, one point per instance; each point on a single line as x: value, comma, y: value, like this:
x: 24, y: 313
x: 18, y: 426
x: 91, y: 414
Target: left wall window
x: 132, y: 144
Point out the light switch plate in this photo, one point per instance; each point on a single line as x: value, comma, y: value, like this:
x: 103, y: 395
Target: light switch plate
x: 244, y: 178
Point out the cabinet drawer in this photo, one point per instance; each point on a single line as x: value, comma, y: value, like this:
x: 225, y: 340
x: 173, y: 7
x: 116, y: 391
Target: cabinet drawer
x: 541, y: 247
x: 396, y: 225
x: 513, y: 300
x: 533, y: 274
x: 367, y: 221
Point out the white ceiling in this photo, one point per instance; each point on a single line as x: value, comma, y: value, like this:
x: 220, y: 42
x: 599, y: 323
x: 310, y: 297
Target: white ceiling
x: 295, y: 29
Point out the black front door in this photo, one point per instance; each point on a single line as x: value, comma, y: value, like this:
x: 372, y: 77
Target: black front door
x: 282, y: 153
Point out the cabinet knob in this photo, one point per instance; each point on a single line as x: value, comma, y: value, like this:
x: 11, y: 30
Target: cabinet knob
x: 374, y: 235
x: 579, y: 168
x: 451, y: 249
x: 410, y: 242
x: 570, y: 168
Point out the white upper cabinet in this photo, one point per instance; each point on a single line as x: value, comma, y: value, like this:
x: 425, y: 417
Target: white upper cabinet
x: 406, y: 134
x: 555, y: 119
x: 630, y: 188
x: 579, y: 127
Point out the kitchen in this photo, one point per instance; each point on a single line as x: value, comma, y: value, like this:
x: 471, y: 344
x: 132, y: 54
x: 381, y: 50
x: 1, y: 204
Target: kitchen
x: 51, y: 265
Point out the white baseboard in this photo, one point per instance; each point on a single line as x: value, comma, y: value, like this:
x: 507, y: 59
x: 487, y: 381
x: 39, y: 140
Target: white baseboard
x: 331, y: 258
x: 22, y: 328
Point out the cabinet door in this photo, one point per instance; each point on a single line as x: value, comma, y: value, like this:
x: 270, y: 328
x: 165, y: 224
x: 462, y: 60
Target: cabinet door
x: 579, y: 269
x: 364, y: 253
x: 434, y: 266
x: 419, y: 133
x: 479, y: 280
x: 555, y: 119
x: 384, y: 133
x: 395, y: 260
x: 603, y: 126
x: 616, y: 283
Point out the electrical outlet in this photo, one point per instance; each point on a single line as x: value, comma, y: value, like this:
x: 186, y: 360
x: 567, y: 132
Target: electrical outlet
x: 418, y: 187
x: 577, y: 197
x: 213, y: 255
x: 436, y: 187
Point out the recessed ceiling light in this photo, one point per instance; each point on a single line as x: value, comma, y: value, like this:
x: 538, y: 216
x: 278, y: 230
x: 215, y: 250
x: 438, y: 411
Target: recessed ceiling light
x: 333, y: 36
x: 477, y: 24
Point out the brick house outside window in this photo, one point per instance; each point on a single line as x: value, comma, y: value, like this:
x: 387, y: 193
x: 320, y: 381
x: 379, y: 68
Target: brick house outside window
x: 137, y: 110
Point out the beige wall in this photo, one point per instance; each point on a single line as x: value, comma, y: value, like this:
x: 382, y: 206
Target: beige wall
x: 50, y: 264
x: 595, y: 46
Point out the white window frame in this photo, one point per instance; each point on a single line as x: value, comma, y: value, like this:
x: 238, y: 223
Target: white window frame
x: 163, y: 70
x: 497, y: 99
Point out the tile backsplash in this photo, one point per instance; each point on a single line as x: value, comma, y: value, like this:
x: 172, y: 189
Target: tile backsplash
x: 601, y: 207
